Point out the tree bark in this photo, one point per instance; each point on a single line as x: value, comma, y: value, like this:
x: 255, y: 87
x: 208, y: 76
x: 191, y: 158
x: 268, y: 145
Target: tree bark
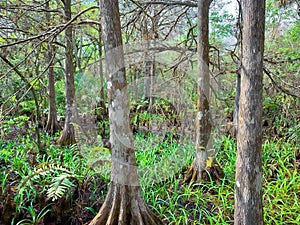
x: 124, y: 204
x: 239, y: 37
x: 68, y: 134
x: 52, y: 124
x: 102, y: 114
x: 199, y: 169
x: 149, y: 62
x: 236, y: 103
x: 248, y: 194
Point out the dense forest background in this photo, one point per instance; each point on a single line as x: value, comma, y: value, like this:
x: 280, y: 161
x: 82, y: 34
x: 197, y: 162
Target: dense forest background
x: 55, y: 153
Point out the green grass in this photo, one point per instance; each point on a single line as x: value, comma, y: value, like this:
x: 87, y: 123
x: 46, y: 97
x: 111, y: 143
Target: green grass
x: 213, y: 203
x: 161, y: 163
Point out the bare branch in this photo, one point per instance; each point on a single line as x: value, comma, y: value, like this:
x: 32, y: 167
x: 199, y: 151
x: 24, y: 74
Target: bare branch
x: 172, y: 3
x: 278, y: 86
x: 54, y: 31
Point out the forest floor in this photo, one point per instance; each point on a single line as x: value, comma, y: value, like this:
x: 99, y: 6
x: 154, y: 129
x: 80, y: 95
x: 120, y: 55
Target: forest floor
x: 67, y: 185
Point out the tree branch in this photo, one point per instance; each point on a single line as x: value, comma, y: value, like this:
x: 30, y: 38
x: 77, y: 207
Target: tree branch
x: 54, y: 31
x: 172, y: 3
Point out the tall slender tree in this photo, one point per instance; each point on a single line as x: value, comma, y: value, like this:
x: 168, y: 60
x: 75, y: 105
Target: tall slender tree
x: 102, y: 109
x: 52, y: 124
x: 124, y: 204
x: 248, y: 194
x: 68, y: 134
x: 198, y: 170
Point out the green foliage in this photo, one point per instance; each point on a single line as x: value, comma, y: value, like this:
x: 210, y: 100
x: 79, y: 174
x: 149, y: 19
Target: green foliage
x: 27, y: 106
x: 282, y: 115
x: 60, y: 185
x: 160, y: 158
x: 57, y: 176
x: 281, y: 181
x: 178, y: 203
x: 222, y: 24
x: 275, y: 15
x: 18, y: 121
x: 60, y: 96
x: 75, y: 174
x: 161, y: 115
x: 161, y: 163
x: 36, y: 218
x: 27, y: 175
x: 293, y: 32
x: 213, y: 203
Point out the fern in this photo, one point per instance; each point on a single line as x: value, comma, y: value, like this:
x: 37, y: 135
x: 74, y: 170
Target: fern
x: 41, y: 170
x: 58, y: 177
x: 59, y: 186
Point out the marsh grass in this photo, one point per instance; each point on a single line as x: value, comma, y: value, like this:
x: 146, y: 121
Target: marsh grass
x: 212, y: 203
x: 161, y: 167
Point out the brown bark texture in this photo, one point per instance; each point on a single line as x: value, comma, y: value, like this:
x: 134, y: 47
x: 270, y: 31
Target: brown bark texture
x: 199, y: 170
x: 236, y: 104
x: 52, y: 125
x: 248, y: 193
x: 124, y: 204
x: 68, y: 134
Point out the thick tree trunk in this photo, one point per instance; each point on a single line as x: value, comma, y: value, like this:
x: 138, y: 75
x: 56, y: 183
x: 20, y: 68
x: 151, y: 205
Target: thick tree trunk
x: 199, y: 168
x: 68, y: 134
x: 124, y: 204
x: 248, y: 195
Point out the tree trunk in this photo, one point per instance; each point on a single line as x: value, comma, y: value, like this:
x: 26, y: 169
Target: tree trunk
x: 148, y: 62
x: 52, y: 124
x: 236, y: 103
x: 200, y: 168
x: 238, y: 79
x: 248, y: 195
x: 102, y: 114
x: 68, y: 134
x: 124, y: 204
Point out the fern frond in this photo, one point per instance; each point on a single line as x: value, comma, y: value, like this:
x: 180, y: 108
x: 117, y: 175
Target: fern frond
x: 57, y: 175
x: 42, y: 170
x: 60, y: 185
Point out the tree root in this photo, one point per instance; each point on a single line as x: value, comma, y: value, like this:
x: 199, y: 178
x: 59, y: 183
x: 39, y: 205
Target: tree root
x: 124, y: 205
x: 212, y: 172
x: 67, y: 136
x: 52, y: 126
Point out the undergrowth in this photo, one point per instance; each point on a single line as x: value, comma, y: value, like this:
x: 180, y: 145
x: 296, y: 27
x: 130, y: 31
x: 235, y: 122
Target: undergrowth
x: 43, y: 187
